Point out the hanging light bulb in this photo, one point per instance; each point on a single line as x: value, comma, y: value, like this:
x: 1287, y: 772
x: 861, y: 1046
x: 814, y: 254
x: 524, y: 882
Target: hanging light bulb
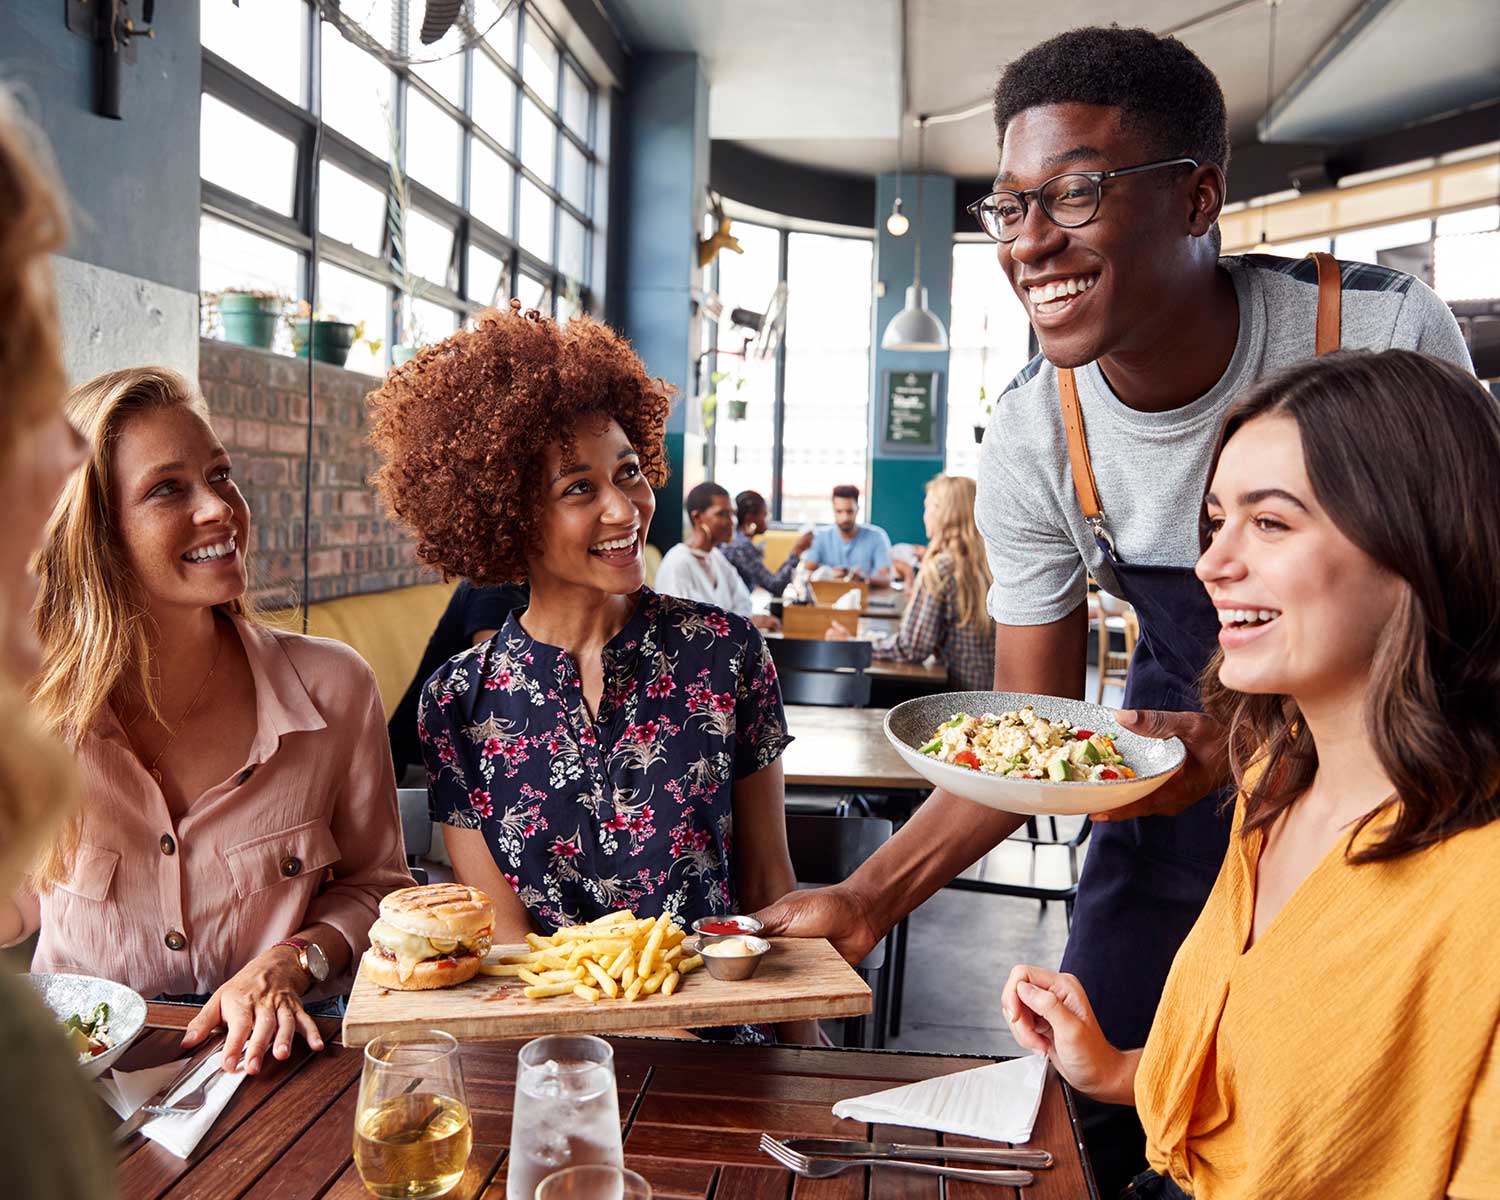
x: 896, y: 224
x: 915, y: 327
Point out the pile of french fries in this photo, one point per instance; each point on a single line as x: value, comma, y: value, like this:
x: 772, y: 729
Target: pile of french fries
x: 618, y: 957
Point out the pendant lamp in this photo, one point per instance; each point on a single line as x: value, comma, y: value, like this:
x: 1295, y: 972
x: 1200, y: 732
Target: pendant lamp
x: 915, y: 327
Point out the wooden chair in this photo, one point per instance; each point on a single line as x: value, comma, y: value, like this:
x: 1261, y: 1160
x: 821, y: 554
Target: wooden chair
x: 812, y: 620
x: 826, y: 591
x: 1115, y: 615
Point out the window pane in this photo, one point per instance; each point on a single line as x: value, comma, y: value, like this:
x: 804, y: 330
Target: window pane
x: 567, y: 308
x: 1472, y: 220
x: 429, y: 323
x: 246, y: 157
x: 1300, y: 249
x: 345, y: 296
x: 1364, y: 244
x: 487, y: 282
x: 356, y: 94
x: 494, y: 101
x: 1466, y: 266
x: 989, y: 338
x: 575, y: 102
x: 570, y: 242
x: 432, y: 146
x: 445, y: 76
x: 490, y: 184
x: 575, y: 176
x: 743, y: 443
x: 536, y: 220
x: 267, y: 40
x: 827, y: 370
x: 500, y: 37
x: 231, y: 257
x: 350, y: 209
x: 538, y: 141
x: 429, y: 246
x: 539, y: 62
x: 532, y: 293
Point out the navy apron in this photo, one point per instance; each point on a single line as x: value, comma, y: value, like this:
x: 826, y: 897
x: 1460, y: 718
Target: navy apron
x: 1145, y: 881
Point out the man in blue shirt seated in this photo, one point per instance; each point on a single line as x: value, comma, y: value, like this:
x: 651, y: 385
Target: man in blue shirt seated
x: 851, y: 550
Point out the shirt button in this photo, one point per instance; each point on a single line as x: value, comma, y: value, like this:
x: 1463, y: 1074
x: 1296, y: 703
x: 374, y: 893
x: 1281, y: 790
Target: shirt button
x: 168, y: 846
x: 175, y: 940
x: 290, y: 866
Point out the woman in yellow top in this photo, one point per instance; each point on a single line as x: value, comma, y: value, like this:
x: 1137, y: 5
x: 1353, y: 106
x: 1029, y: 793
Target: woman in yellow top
x: 1329, y: 1027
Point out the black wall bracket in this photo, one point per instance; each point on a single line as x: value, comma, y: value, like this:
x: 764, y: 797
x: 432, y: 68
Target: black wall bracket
x: 111, y: 27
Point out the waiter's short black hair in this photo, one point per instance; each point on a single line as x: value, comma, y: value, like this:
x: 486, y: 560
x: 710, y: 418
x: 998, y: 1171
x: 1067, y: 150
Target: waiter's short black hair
x: 1160, y: 87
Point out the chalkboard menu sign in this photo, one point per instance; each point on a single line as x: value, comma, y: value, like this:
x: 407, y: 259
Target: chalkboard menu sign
x: 909, y: 422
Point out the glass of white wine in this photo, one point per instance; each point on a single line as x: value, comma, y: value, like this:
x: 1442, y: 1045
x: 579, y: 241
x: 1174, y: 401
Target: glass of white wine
x: 412, y: 1130
x: 596, y: 1181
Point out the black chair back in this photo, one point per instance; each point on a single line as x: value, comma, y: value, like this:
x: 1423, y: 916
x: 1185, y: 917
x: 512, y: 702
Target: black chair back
x: 828, y: 850
x: 834, y: 689
x: 416, y: 828
x: 804, y: 654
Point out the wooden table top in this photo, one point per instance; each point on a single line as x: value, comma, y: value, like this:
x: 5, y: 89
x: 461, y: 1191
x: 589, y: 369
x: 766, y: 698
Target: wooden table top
x: 926, y: 673
x: 844, y: 748
x: 692, y: 1115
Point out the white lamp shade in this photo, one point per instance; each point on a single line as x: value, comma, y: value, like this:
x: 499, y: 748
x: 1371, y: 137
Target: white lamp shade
x: 914, y: 327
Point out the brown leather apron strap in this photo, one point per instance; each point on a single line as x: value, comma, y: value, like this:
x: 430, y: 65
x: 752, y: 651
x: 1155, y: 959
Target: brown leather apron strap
x: 1078, y: 447
x: 1330, y: 335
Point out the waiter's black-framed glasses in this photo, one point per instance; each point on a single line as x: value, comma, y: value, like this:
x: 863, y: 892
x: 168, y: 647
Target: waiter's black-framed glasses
x: 1070, y: 199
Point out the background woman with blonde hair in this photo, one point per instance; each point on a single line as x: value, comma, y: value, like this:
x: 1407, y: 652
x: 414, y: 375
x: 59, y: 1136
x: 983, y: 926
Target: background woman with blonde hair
x: 241, y: 824
x: 42, y: 1091
x: 946, y: 617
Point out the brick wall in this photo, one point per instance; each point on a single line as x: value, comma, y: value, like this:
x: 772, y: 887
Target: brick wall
x: 259, y: 406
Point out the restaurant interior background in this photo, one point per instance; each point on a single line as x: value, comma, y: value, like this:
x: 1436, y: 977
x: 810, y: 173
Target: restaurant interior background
x: 580, y: 156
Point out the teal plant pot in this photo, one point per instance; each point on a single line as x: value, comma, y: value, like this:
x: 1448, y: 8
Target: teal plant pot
x: 331, y: 340
x: 737, y: 409
x: 249, y: 320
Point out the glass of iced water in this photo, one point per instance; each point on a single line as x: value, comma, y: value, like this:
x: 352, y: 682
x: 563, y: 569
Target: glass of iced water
x: 594, y: 1182
x: 567, y: 1112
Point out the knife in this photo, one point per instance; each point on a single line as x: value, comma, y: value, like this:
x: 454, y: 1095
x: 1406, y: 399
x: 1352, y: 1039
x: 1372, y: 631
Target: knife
x: 140, y: 1116
x: 885, y: 1150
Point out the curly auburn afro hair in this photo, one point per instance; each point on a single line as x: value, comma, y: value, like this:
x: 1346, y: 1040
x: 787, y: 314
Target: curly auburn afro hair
x: 464, y: 428
x: 1160, y: 87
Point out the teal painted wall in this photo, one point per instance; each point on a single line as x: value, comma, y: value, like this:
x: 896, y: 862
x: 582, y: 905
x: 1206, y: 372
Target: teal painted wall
x: 896, y: 481
x: 666, y: 110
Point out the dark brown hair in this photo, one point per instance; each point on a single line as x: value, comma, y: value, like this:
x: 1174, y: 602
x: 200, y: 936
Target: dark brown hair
x: 702, y: 496
x: 1402, y: 453
x: 846, y: 491
x: 465, y: 426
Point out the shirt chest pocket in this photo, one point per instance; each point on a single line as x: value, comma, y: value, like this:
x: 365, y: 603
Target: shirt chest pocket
x: 93, y: 872
x: 301, y: 852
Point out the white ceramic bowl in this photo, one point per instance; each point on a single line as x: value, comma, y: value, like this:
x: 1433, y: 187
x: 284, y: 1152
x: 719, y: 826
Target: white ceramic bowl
x: 1154, y: 760
x: 69, y: 994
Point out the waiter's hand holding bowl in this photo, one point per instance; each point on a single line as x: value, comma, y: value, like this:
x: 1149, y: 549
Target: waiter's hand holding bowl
x: 1205, y: 770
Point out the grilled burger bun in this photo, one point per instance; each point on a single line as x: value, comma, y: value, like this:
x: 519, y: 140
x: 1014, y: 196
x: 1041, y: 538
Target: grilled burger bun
x: 429, y: 937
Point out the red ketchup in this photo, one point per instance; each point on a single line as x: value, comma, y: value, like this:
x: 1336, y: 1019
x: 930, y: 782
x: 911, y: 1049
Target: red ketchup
x: 722, y: 927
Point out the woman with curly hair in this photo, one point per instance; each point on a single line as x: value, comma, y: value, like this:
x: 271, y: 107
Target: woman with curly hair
x: 610, y: 747
x: 1330, y: 1029
x: 240, y: 823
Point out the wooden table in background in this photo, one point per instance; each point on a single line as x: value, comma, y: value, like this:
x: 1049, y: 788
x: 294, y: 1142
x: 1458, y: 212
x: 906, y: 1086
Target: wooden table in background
x: 692, y: 1113
x: 844, y: 748
x: 931, y: 675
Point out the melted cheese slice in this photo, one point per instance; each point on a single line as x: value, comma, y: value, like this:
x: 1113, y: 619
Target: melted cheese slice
x: 409, y: 949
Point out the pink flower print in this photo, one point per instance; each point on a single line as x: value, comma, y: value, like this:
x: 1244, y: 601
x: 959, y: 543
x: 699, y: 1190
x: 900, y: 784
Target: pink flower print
x: 492, y: 747
x: 587, y: 736
x: 515, y: 883
x: 503, y: 679
x: 661, y: 687
x: 723, y: 702
x: 479, y: 801
x: 562, y: 849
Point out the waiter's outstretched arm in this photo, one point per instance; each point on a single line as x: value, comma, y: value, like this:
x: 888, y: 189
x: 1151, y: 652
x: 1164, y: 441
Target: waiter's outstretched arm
x: 947, y: 833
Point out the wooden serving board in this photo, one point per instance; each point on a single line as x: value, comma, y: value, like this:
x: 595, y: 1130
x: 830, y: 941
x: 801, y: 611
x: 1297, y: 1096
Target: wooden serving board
x: 800, y: 978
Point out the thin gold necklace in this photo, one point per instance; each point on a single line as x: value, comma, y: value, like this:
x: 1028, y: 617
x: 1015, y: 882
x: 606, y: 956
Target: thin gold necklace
x: 181, y: 721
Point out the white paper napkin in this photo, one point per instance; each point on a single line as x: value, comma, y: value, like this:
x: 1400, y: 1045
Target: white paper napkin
x: 998, y: 1102
x: 850, y: 599
x: 178, y: 1133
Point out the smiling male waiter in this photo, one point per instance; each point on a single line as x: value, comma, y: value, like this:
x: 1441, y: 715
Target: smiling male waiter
x: 1113, y: 148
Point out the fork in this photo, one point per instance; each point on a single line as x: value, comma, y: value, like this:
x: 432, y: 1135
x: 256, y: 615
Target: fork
x: 822, y: 1168
x: 193, y: 1101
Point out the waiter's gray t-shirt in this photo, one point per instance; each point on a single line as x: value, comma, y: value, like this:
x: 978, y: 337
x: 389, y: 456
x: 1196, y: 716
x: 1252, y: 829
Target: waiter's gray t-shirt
x: 1151, y: 467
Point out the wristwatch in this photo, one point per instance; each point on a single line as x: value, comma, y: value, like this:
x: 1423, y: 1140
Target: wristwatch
x: 310, y: 957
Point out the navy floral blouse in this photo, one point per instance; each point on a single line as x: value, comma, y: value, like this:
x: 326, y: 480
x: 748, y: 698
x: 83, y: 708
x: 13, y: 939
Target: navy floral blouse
x: 629, y: 810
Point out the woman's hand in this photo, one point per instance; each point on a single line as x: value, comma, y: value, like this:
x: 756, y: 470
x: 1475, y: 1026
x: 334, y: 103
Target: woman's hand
x: 837, y: 633
x: 260, y: 1007
x: 1050, y: 1013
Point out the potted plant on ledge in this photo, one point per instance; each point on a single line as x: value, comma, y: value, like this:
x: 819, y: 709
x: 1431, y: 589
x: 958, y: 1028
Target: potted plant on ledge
x: 246, y: 317
x: 330, y: 339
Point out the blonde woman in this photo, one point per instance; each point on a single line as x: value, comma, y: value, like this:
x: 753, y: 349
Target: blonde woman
x: 946, y: 617
x: 41, y: 1089
x: 240, y: 823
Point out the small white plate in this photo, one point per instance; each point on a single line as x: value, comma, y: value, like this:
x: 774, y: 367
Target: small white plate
x: 69, y: 994
x: 1154, y: 760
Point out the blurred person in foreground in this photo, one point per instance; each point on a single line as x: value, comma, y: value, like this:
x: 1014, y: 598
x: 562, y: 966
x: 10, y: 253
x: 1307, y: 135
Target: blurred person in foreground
x: 751, y: 517
x: 946, y: 617
x: 1330, y: 1029
x: 240, y: 824
x: 610, y: 747
x: 43, y: 1095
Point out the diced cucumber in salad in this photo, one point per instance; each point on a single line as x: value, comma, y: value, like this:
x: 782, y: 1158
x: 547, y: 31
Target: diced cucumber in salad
x: 1025, y: 745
